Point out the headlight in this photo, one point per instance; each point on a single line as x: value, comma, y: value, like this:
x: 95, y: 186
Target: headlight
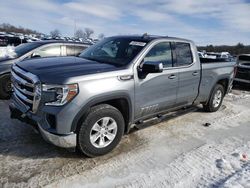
x: 63, y: 93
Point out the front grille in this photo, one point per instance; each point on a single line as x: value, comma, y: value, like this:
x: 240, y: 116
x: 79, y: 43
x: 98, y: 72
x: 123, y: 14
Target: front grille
x: 24, y: 86
x: 243, y: 73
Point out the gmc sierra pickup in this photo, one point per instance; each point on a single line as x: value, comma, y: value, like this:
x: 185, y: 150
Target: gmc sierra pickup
x: 89, y: 102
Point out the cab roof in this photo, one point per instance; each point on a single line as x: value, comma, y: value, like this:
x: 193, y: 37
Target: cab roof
x: 42, y: 42
x: 149, y: 38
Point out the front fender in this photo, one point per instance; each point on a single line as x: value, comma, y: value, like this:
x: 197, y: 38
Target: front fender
x: 102, y: 99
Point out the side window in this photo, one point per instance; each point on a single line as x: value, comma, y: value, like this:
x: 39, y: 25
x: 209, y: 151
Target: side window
x: 74, y: 50
x: 50, y: 51
x: 161, y: 52
x: 70, y: 50
x: 183, y: 54
x: 79, y: 49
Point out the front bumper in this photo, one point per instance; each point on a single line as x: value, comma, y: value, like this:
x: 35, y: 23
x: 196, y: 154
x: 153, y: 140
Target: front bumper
x: 61, y: 140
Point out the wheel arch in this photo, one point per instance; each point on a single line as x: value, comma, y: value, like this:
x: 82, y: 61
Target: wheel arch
x: 222, y: 81
x: 4, y: 73
x: 121, y: 101
x: 225, y: 83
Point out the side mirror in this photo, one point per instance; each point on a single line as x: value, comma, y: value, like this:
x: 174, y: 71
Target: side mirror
x: 150, y: 67
x: 35, y: 56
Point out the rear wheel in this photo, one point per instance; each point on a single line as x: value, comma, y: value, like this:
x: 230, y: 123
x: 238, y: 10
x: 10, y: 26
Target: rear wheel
x: 215, y: 99
x: 101, y: 130
x: 5, y: 86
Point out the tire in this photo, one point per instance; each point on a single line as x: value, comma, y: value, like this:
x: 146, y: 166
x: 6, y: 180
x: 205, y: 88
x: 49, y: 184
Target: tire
x: 5, y: 86
x: 94, y: 124
x: 215, y: 99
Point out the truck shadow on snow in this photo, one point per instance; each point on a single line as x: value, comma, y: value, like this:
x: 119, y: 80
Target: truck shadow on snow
x: 20, y: 140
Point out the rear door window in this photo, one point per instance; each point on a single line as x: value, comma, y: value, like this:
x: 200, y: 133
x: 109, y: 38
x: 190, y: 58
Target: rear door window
x: 74, y: 50
x: 183, y: 54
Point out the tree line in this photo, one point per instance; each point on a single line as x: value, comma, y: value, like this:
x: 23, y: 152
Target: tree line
x: 79, y: 33
x: 87, y: 33
x: 239, y: 48
x: 6, y: 27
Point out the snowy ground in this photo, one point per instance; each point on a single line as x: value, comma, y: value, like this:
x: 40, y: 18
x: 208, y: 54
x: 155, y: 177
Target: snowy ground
x: 5, y: 50
x: 177, y: 152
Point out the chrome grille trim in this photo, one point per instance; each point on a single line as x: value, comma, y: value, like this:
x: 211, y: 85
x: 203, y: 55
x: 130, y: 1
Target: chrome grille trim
x: 22, y: 97
x: 29, y: 76
x: 24, y: 91
x: 21, y: 80
x: 25, y: 85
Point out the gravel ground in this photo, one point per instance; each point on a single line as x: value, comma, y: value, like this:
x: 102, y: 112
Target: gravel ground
x: 178, y: 151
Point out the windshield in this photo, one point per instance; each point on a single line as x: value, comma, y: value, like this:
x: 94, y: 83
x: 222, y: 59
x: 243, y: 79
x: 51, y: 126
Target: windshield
x: 22, y: 49
x: 117, y: 51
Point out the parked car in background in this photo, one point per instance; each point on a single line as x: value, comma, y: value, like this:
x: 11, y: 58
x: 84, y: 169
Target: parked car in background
x: 39, y: 49
x: 243, y: 69
x: 89, y: 102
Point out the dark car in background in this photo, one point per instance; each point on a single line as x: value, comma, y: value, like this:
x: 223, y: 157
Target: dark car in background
x: 39, y: 49
x: 243, y: 69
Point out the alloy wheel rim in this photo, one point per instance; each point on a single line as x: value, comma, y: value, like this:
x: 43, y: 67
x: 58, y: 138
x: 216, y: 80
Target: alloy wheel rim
x: 217, y: 98
x: 103, y: 132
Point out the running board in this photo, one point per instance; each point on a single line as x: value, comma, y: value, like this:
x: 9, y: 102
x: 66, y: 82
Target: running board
x: 163, y: 117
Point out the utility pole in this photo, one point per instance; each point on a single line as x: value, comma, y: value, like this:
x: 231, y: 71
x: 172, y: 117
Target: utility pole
x: 74, y: 27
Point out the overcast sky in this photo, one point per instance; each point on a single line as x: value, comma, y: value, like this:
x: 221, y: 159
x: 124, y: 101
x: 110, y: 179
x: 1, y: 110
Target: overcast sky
x: 204, y: 21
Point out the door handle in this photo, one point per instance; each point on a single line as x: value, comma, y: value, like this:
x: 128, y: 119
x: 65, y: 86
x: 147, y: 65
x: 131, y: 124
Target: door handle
x: 172, y: 76
x: 195, y: 73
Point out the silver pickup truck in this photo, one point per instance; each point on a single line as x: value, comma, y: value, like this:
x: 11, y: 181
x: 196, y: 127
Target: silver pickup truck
x: 89, y: 102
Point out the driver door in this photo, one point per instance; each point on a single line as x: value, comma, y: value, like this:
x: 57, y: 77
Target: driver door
x: 157, y: 91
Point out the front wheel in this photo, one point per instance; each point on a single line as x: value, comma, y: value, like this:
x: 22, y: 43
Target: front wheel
x: 101, y: 130
x: 5, y: 86
x: 215, y: 99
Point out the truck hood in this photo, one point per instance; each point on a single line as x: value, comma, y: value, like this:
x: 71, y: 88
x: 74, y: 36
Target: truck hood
x: 58, y: 69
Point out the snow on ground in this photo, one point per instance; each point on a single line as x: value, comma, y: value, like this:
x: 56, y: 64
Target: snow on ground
x: 177, y: 152
x: 5, y: 50
x: 211, y: 165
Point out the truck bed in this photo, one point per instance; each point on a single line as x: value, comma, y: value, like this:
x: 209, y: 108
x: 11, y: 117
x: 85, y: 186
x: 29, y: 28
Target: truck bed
x: 218, y: 60
x: 211, y: 72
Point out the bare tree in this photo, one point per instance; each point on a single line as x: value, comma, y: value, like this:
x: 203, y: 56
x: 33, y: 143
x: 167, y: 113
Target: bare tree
x: 88, y: 32
x: 80, y: 34
x: 55, y: 33
x: 101, y: 36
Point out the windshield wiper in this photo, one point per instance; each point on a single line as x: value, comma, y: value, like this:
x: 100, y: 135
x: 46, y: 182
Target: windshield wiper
x: 98, y: 60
